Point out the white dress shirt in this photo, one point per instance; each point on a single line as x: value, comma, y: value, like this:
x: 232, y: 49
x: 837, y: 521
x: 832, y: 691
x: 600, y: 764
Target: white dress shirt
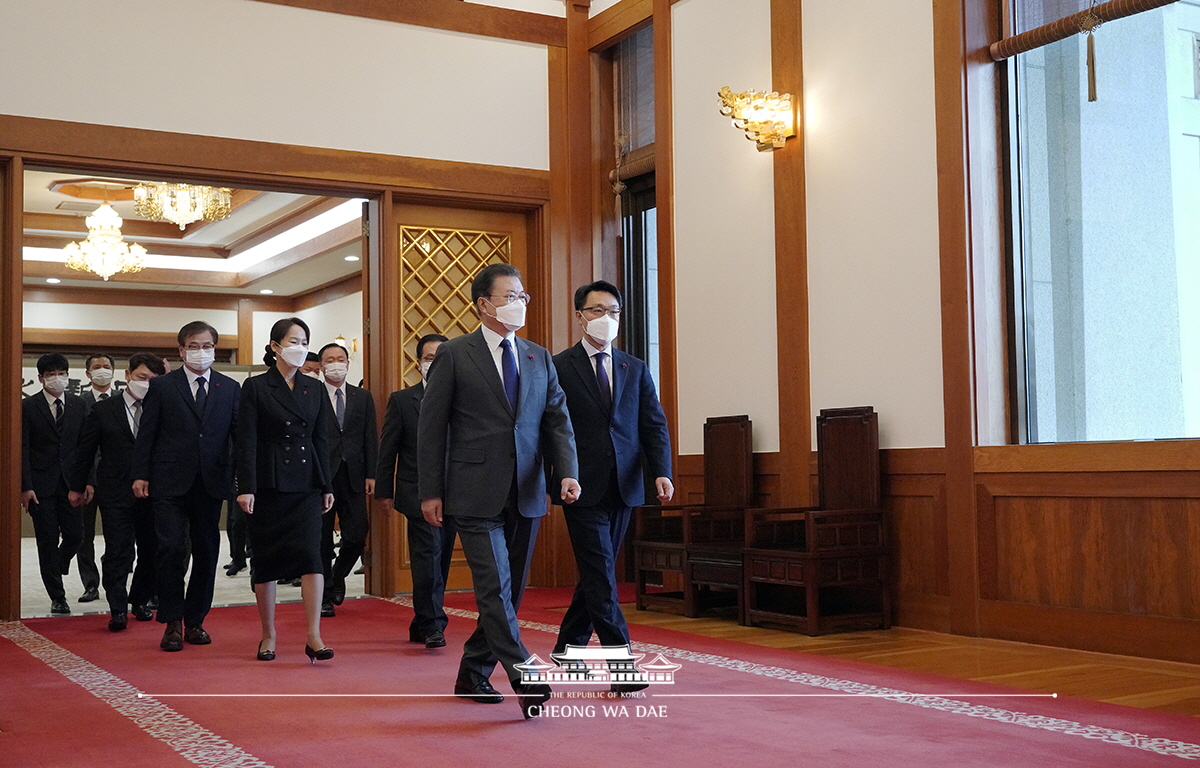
x: 192, y: 377
x: 130, y: 402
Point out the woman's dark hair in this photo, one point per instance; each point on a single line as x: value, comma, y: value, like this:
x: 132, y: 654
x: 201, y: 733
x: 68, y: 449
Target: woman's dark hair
x: 279, y: 332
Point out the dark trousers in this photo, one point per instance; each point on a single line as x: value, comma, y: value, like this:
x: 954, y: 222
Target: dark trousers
x: 498, y: 550
x: 429, y: 552
x: 235, y: 531
x: 350, y: 506
x: 89, y: 574
x: 596, y: 536
x: 194, y: 517
x: 128, y: 530
x: 59, y: 528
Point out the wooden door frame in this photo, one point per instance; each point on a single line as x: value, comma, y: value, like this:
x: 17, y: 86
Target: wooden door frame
x: 382, y: 179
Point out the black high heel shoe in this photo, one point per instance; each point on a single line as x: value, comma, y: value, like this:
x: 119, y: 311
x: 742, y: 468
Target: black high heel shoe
x: 324, y: 654
x: 267, y: 655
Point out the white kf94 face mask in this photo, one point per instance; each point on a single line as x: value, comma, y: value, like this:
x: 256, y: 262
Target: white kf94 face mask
x: 294, y: 356
x: 511, y: 315
x: 336, y: 371
x: 102, y: 377
x: 603, y: 328
x: 200, y: 359
x: 137, y: 388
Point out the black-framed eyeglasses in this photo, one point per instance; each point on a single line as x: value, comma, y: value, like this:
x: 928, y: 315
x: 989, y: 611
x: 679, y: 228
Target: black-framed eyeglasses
x: 594, y: 312
x: 205, y: 347
x: 509, y: 298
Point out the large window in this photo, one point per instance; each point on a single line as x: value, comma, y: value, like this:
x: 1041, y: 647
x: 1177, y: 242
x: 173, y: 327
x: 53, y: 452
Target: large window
x: 1107, y: 229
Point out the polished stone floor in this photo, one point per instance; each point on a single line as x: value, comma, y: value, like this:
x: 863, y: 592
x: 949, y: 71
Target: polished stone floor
x: 229, y: 590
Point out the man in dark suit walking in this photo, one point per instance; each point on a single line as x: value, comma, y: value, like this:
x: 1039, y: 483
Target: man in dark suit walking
x: 99, y: 368
x: 429, y: 548
x: 620, y: 432
x: 183, y: 462
x: 50, y: 424
x: 112, y: 426
x: 492, y: 412
x: 354, y: 454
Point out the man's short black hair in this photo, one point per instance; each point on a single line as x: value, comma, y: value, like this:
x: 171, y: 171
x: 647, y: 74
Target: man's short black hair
x: 312, y: 357
x: 152, y: 362
x: 600, y: 285
x: 196, y: 327
x: 421, y: 342
x: 52, y: 361
x: 332, y: 345
x: 482, y: 284
x: 87, y: 365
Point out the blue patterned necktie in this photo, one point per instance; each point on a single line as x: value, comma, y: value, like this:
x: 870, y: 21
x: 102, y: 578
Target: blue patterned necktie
x: 339, y: 409
x: 602, y: 381
x: 508, y: 362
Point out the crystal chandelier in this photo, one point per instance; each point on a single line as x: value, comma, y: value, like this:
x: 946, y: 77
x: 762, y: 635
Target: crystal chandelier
x: 181, y: 203
x: 104, y: 251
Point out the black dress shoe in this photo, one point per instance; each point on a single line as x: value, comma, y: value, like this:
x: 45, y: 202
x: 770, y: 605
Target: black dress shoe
x: 172, y: 639
x: 118, y: 622
x: 628, y: 687
x: 89, y: 594
x: 265, y: 654
x: 476, y: 688
x: 435, y: 639
x: 324, y: 654
x: 196, y: 636
x: 152, y: 603
x: 60, y: 607
x: 234, y: 568
x: 339, y: 591
x: 327, y: 611
x: 142, y: 613
x: 531, y: 697
x: 414, y: 636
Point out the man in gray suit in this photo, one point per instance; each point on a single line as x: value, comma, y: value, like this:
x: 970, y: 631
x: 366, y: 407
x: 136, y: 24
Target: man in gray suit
x: 492, y: 412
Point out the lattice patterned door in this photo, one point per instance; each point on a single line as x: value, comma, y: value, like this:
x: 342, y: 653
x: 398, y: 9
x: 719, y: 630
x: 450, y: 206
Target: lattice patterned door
x: 441, y: 250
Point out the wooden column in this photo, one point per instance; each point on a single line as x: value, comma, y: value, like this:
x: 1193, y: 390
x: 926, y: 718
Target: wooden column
x: 664, y: 194
x: 791, y: 265
x: 11, y: 197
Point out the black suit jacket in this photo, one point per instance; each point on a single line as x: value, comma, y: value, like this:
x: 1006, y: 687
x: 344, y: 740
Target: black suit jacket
x: 176, y: 442
x: 283, y: 435
x: 634, y: 431
x: 48, y: 453
x: 106, y: 428
x: 396, y: 477
x: 471, y: 444
x: 354, y: 442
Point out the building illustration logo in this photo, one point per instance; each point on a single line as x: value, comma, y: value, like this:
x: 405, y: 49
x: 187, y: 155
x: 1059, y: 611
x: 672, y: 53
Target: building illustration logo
x: 598, y: 664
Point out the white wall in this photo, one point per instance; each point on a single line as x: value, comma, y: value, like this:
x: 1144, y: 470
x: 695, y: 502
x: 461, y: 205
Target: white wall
x: 106, y: 317
x: 870, y: 142
x: 544, y: 7
x: 599, y: 6
x: 724, y: 224
x: 266, y: 72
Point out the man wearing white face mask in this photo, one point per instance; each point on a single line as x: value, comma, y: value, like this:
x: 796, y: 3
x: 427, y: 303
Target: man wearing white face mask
x: 620, y: 431
x: 111, y: 429
x: 354, y: 453
x: 492, y: 414
x: 429, y: 548
x: 50, y: 425
x: 183, y: 462
x: 99, y: 369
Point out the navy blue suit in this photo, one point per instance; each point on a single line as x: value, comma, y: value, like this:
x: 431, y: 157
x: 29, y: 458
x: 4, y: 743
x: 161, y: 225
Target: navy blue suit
x: 616, y: 446
x: 186, y: 454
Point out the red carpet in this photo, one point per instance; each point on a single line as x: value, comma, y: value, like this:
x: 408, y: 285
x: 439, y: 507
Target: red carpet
x: 46, y: 719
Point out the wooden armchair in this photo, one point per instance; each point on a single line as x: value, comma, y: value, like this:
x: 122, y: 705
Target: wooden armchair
x: 825, y: 569
x: 687, y: 556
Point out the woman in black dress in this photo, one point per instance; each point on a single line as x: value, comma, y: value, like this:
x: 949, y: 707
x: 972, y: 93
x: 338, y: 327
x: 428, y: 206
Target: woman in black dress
x: 283, y: 481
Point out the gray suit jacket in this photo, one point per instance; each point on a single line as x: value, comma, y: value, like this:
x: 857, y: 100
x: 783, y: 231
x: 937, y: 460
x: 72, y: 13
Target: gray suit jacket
x: 470, y: 444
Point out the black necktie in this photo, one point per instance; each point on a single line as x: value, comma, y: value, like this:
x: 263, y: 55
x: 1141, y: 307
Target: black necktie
x: 201, y: 394
x: 602, y: 381
x: 58, y: 413
x: 103, y: 396
x: 508, y: 363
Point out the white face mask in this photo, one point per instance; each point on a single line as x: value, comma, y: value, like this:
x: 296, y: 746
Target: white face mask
x: 511, y: 315
x: 200, y: 359
x: 137, y: 388
x: 102, y: 377
x: 425, y: 368
x: 336, y: 371
x: 294, y: 356
x: 603, y: 328
x: 56, y: 385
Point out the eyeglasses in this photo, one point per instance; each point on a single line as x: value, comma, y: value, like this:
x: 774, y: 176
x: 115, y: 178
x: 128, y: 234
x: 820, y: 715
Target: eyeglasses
x: 594, y: 312
x: 511, y: 297
x: 205, y: 347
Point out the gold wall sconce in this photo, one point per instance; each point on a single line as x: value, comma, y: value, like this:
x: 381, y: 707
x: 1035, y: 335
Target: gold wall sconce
x: 767, y: 118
